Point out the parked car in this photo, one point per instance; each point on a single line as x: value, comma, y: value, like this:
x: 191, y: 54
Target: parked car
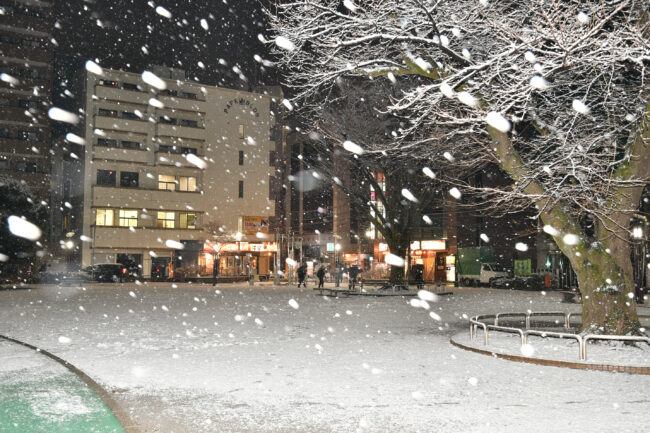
x: 105, y: 272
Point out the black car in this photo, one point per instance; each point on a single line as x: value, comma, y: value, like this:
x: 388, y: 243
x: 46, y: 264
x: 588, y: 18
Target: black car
x: 106, y: 272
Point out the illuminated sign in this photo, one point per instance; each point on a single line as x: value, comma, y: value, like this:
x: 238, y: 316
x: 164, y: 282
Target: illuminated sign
x: 434, y: 245
x: 330, y: 246
x: 254, y: 224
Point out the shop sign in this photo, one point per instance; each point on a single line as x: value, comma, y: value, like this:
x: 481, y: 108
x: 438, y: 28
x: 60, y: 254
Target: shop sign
x: 383, y: 246
x: 254, y: 224
x: 434, y: 245
x: 330, y: 246
x: 247, y: 103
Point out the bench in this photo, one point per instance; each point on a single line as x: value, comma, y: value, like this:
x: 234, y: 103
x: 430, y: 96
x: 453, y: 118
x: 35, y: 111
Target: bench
x: 571, y: 296
x: 334, y: 291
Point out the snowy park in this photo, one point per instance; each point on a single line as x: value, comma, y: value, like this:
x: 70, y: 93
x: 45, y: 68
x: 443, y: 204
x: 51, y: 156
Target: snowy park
x: 236, y: 358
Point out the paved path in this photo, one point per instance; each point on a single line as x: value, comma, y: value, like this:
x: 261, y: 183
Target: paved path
x: 39, y: 395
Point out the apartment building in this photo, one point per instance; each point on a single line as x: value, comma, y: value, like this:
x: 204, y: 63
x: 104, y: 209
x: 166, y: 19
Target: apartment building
x: 162, y: 163
x: 26, y: 75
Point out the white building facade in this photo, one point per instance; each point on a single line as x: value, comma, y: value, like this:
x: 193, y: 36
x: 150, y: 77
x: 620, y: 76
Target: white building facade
x: 162, y: 164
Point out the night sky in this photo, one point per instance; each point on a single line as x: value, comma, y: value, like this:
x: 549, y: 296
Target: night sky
x: 131, y: 35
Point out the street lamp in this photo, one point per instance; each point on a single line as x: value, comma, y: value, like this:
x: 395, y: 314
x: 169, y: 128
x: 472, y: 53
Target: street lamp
x: 637, y: 232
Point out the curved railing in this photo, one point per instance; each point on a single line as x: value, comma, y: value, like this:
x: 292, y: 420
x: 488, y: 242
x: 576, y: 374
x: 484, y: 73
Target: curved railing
x: 480, y: 321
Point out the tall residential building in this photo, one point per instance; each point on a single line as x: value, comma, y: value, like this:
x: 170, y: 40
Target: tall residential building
x: 163, y: 164
x: 26, y: 68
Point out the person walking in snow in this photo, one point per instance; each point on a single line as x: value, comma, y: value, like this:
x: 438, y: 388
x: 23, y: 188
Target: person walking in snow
x: 302, y: 273
x: 321, y: 275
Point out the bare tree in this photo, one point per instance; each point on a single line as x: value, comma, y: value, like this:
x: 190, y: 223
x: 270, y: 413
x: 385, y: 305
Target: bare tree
x: 553, y: 92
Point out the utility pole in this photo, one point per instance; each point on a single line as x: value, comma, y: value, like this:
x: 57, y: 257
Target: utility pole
x: 278, y: 249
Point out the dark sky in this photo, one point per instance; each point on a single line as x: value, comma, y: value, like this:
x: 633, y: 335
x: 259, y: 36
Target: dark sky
x: 116, y: 31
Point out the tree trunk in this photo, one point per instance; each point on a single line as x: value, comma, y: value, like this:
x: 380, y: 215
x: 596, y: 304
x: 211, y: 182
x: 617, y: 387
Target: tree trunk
x: 606, y: 283
x: 397, y: 272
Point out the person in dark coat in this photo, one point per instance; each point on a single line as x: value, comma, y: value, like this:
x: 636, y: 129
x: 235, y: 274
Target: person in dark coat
x: 215, y: 272
x: 353, y: 272
x: 320, y: 274
x: 302, y: 273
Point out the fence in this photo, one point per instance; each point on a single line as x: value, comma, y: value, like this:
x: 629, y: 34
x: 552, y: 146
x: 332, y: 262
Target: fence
x: 480, y: 322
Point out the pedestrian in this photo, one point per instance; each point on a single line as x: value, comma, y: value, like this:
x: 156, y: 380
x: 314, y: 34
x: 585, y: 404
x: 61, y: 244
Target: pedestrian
x: 302, y: 273
x: 353, y: 272
x: 320, y: 274
x: 338, y: 273
x: 215, y: 272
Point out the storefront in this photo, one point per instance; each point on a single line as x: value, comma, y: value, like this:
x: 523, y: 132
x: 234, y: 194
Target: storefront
x: 238, y: 258
x: 431, y: 256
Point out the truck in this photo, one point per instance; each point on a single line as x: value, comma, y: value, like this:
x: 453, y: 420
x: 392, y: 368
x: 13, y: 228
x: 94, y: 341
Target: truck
x: 476, y: 266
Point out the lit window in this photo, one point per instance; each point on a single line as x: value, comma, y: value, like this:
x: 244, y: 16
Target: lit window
x: 241, y: 131
x: 128, y: 218
x: 187, y: 220
x: 186, y: 183
x: 166, y: 181
x: 166, y: 220
x: 104, y: 217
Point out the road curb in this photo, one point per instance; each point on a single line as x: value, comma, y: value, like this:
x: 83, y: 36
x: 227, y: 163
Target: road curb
x: 555, y: 363
x: 122, y: 416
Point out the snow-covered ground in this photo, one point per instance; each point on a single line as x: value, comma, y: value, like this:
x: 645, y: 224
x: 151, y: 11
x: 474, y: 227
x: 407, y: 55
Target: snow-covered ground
x: 187, y: 358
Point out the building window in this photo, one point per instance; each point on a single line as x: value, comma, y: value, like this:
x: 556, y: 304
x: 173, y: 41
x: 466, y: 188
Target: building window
x: 186, y: 150
x: 272, y: 157
x: 129, y: 179
x: 104, y: 217
x: 108, y: 83
x: 4, y: 132
x: 241, y: 131
x: 106, y: 142
x: 186, y: 122
x: 129, y: 115
x: 187, y: 220
x: 130, y: 144
x: 107, y: 113
x: 241, y: 157
x: 241, y: 189
x: 128, y: 218
x: 188, y: 95
x: 106, y: 177
x: 28, y: 135
x: 4, y: 164
x: 187, y: 183
x: 130, y: 86
x: 166, y: 181
x: 168, y: 120
x: 166, y: 220
x: 24, y: 103
x: 29, y: 167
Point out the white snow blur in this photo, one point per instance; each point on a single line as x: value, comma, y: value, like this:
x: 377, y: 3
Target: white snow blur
x: 9, y: 79
x: 455, y: 193
x: 428, y: 172
x: 394, y: 260
x: 497, y: 121
x: 196, y: 161
x: 153, y: 80
x: 285, y: 43
x: 408, y: 195
x: 571, y: 239
x: 94, y: 68
x: 580, y: 107
x: 446, y: 90
x: 23, y: 228
x: 74, y: 138
x: 485, y: 237
x: 520, y: 246
x: 293, y: 304
x: 467, y: 99
x: 169, y: 243
x: 353, y: 147
x: 551, y: 230
x: 538, y: 82
x: 163, y: 12
x: 60, y: 115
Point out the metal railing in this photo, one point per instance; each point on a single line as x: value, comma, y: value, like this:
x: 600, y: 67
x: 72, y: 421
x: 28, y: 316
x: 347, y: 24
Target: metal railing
x: 479, y: 321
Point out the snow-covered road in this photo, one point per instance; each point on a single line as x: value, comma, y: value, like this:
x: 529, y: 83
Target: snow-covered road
x: 188, y: 358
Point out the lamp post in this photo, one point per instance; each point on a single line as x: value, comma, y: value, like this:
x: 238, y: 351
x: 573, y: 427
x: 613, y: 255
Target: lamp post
x: 640, y: 270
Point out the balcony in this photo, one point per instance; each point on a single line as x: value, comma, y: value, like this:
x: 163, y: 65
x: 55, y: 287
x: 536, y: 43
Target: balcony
x: 120, y: 124
x: 141, y: 238
x: 180, y: 131
x: 120, y: 154
x: 122, y: 95
x: 110, y: 196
